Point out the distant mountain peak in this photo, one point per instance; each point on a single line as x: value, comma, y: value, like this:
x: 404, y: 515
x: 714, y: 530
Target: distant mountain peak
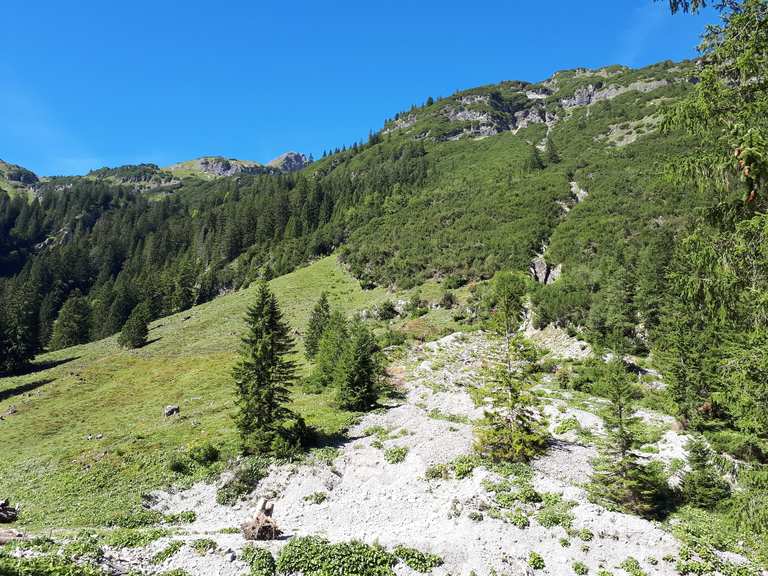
x: 290, y: 161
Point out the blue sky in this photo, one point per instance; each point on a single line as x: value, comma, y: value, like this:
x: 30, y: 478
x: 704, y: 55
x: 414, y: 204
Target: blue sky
x: 85, y: 84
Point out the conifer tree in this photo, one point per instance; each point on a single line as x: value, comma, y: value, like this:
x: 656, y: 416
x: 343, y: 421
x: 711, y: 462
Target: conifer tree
x: 136, y: 328
x: 550, y: 152
x: 357, y: 374
x: 318, y: 321
x: 507, y: 293
x: 703, y: 486
x: 262, y: 378
x: 620, y: 478
x: 329, y: 350
x: 533, y: 162
x: 512, y: 431
x: 73, y: 323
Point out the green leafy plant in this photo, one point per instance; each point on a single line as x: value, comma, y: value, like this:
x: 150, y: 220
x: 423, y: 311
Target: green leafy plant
x: 396, y: 454
x: 536, y: 561
x: 420, y: 561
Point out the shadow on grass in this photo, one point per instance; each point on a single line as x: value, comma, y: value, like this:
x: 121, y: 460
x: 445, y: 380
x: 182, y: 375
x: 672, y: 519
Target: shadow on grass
x: 22, y: 388
x: 35, y: 367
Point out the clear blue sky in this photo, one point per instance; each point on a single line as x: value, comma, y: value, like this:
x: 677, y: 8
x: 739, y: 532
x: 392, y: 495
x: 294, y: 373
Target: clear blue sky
x: 84, y: 84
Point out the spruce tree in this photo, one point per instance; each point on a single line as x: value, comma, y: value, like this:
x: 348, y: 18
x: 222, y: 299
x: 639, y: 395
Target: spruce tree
x: 508, y: 293
x: 262, y: 378
x: 329, y: 350
x: 357, y: 373
x: 512, y: 431
x: 620, y: 478
x: 136, y: 328
x: 703, y: 485
x: 318, y: 321
x: 550, y: 152
x: 73, y: 323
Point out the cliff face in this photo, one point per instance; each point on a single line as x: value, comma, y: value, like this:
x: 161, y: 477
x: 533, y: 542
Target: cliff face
x: 290, y: 162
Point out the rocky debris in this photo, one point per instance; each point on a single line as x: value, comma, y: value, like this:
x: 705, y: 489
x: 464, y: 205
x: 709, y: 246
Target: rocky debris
x: 7, y: 512
x: 590, y: 94
x: 400, y: 123
x: 12, y: 409
x: 290, y: 162
x: 535, y: 115
x: 370, y: 499
x: 10, y: 536
x: 170, y: 410
x: 543, y: 272
x: 578, y: 192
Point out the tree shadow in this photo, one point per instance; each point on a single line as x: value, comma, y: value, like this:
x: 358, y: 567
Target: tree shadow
x: 35, y: 367
x: 22, y: 388
x: 320, y: 439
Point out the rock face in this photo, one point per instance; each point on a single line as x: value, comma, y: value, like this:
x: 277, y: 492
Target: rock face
x: 545, y: 273
x: 290, y: 162
x: 590, y: 94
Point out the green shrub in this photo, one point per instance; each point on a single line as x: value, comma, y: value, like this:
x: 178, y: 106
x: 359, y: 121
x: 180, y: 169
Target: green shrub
x: 135, y: 519
x: 205, y: 454
x: 204, y: 546
x: 437, y: 472
x: 568, y: 424
x: 259, y: 559
x: 315, y: 556
x: 475, y: 516
x: 555, y: 512
x: 564, y: 542
x: 395, y: 455
x: 167, y: 552
x: 386, y: 310
x: 420, y: 561
x: 464, y: 465
x: 586, y: 534
x: 535, y: 561
x: 632, y: 567
x: 133, y: 537
x: 580, y: 568
x: 185, y: 517
x: 519, y: 519
x: 316, y: 497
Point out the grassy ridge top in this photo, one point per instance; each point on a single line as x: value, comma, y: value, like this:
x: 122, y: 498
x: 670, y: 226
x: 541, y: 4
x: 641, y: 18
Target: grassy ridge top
x: 63, y: 479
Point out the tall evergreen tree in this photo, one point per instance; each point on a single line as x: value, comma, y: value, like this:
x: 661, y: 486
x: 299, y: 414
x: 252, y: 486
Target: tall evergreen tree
x: 358, y: 371
x: 136, y: 328
x: 262, y: 378
x: 703, y: 485
x: 318, y: 321
x: 550, y: 152
x: 329, y: 350
x: 508, y: 292
x: 620, y: 478
x: 73, y: 324
x: 513, y: 431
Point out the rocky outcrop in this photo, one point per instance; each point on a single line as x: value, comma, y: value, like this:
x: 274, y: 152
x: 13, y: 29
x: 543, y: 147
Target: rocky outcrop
x: 590, y: 94
x: 543, y: 272
x: 218, y: 166
x: 290, y: 162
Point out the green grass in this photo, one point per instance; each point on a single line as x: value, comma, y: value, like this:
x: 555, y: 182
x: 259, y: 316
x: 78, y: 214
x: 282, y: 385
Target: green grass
x: 62, y: 479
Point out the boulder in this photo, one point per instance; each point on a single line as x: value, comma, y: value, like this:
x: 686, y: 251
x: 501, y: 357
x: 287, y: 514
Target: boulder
x: 7, y: 512
x: 170, y: 410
